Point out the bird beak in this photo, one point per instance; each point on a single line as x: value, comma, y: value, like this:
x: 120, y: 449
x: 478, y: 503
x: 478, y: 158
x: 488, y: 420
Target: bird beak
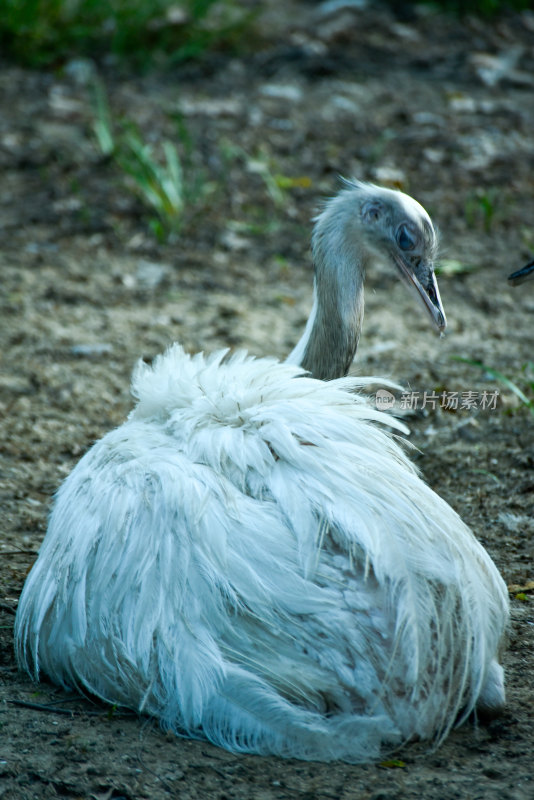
x: 424, y: 281
x: 522, y: 275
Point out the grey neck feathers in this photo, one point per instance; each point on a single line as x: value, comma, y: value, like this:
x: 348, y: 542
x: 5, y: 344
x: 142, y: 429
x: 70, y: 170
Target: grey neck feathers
x: 329, y: 343
x: 332, y: 343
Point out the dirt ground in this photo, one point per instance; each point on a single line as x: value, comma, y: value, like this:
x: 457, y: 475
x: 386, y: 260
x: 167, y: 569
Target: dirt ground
x: 442, y: 108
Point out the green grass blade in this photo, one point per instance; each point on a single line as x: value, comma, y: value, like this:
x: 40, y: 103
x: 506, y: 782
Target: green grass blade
x: 160, y: 186
x: 102, y: 127
x: 513, y: 387
x: 175, y: 175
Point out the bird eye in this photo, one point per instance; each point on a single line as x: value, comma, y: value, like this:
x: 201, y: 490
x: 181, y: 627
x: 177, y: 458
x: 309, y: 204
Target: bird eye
x: 405, y: 238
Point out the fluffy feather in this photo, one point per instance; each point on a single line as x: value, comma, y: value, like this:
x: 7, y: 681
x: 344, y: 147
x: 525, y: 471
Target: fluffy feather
x: 253, y: 559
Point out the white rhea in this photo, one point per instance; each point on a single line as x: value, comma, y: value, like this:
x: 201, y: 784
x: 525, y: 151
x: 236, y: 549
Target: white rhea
x: 252, y: 558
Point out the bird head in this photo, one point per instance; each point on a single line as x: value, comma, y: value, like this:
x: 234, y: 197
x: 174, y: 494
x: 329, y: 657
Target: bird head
x: 399, y: 230
x: 374, y: 223
x: 526, y: 273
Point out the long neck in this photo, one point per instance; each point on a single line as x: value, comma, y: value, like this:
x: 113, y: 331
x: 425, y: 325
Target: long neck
x: 329, y: 343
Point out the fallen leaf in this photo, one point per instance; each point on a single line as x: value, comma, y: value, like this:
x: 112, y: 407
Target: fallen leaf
x: 515, y: 588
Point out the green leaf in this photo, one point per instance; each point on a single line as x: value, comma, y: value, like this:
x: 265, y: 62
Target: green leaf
x: 451, y: 267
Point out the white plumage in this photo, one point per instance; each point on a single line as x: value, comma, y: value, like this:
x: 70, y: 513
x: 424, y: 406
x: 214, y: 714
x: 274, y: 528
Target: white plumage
x: 252, y: 558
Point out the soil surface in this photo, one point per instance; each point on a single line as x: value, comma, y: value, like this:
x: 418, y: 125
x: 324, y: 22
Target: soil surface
x: 440, y: 108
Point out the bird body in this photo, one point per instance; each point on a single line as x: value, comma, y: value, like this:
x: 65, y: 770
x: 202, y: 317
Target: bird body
x: 252, y: 559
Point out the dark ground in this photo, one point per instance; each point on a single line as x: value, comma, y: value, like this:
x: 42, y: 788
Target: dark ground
x: 445, y: 110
